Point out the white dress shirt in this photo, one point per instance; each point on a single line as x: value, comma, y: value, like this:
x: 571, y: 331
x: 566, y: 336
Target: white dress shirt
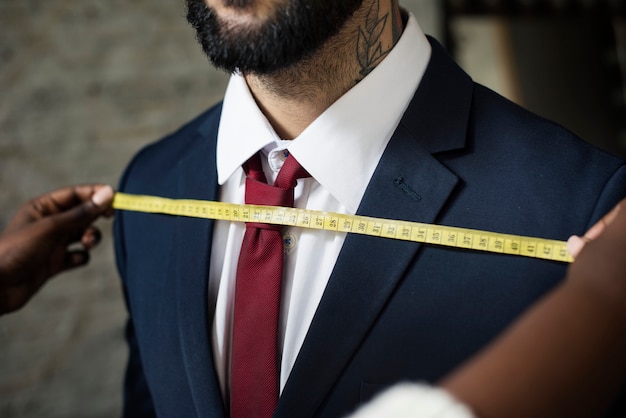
x: 340, y: 150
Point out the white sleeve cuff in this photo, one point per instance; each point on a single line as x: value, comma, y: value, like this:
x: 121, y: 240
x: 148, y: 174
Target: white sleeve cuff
x: 411, y: 400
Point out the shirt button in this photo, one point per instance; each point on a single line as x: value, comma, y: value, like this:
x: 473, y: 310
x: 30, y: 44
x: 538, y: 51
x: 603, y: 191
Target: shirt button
x: 289, y: 242
x: 284, y: 154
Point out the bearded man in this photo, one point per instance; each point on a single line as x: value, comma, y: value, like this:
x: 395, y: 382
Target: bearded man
x: 375, y: 119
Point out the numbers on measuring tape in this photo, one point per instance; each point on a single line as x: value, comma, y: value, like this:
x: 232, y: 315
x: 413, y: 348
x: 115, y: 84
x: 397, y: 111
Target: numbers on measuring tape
x: 470, y: 239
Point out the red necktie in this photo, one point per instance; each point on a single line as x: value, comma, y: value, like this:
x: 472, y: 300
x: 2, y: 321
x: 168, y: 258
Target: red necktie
x: 255, y: 368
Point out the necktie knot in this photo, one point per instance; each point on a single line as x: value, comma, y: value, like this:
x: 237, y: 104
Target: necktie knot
x: 258, y: 192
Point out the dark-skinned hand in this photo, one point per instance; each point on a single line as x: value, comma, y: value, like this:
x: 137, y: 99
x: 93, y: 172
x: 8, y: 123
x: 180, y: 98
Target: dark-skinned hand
x: 564, y: 357
x: 48, y: 235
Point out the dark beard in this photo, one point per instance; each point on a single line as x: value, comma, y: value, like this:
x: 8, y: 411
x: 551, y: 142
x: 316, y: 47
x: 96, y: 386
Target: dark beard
x: 296, y: 30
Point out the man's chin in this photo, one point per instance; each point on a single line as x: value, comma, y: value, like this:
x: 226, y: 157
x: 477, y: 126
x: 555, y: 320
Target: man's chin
x: 252, y: 43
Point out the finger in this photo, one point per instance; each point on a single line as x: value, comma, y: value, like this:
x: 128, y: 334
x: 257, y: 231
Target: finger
x: 608, y: 230
x: 575, y: 244
x: 595, y: 231
x: 72, y: 259
x: 91, y: 237
x: 82, y: 215
x: 66, y: 198
x: 601, y: 260
x: 614, y: 224
x: 103, y: 198
x: 75, y: 258
x: 109, y: 212
x: 61, y: 200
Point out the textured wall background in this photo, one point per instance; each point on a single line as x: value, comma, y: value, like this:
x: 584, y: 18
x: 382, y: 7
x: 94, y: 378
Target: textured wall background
x: 83, y: 85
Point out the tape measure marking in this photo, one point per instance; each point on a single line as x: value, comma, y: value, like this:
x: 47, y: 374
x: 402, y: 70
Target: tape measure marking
x: 471, y: 239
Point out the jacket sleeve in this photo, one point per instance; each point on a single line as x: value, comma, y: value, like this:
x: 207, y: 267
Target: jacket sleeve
x: 614, y: 191
x: 137, y: 400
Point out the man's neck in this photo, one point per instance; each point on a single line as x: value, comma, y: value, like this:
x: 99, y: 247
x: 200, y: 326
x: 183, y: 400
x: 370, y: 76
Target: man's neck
x: 293, y: 98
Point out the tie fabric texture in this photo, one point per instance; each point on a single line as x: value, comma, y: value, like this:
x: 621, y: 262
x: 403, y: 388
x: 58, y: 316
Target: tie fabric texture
x: 255, y: 363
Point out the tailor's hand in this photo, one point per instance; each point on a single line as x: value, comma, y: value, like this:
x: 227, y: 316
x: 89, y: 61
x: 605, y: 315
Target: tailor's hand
x: 575, y: 243
x: 601, y: 257
x: 36, y: 243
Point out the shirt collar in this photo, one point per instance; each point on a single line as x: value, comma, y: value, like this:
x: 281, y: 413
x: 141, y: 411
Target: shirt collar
x: 342, y: 147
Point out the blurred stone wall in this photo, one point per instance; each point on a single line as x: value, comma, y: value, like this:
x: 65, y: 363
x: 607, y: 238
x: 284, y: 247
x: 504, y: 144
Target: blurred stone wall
x: 83, y: 85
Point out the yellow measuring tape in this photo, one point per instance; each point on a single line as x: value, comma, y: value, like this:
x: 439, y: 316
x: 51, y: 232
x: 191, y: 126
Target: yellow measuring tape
x: 471, y: 239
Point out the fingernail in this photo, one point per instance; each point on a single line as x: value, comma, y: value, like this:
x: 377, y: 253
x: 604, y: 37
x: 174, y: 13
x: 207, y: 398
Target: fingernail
x: 103, y: 197
x: 574, y: 245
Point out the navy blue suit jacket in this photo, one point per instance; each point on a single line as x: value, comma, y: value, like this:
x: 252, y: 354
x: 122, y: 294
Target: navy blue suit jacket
x: 392, y: 310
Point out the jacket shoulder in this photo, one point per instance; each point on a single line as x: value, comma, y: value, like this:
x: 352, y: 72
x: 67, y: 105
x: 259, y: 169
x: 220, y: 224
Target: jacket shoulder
x: 504, y: 123
x: 157, y: 159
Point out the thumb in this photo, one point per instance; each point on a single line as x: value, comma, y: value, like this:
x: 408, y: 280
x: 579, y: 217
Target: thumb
x: 103, y: 198
x: 83, y: 214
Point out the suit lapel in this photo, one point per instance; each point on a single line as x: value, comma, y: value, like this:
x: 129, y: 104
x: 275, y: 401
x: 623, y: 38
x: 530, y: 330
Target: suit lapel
x: 408, y: 184
x: 197, y: 180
